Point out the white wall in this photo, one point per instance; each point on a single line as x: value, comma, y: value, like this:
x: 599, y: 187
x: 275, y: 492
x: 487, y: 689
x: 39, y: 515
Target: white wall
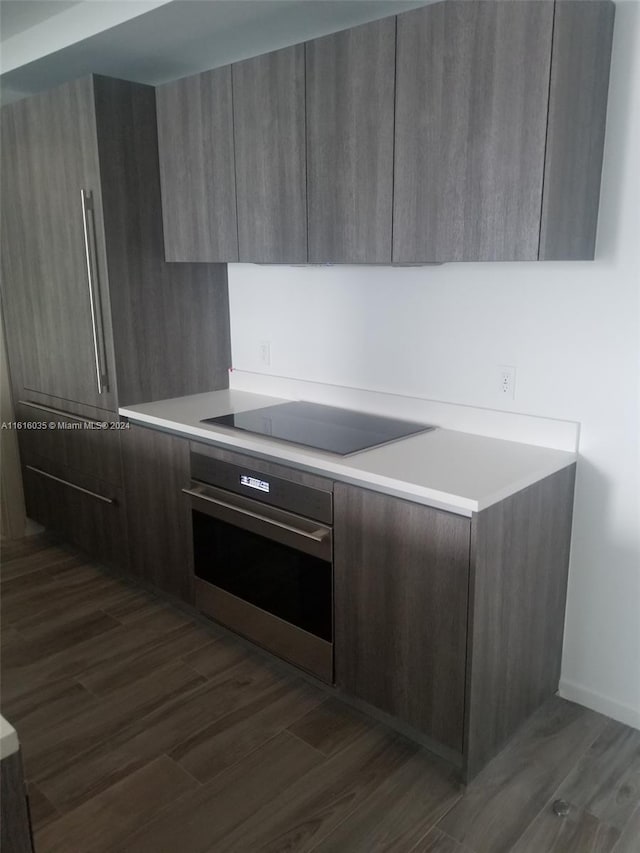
x: 572, y: 331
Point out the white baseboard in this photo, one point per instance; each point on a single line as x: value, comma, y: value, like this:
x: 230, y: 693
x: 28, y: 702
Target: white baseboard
x: 603, y: 705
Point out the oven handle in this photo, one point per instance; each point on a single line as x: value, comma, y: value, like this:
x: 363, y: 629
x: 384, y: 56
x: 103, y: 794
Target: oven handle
x: 319, y: 535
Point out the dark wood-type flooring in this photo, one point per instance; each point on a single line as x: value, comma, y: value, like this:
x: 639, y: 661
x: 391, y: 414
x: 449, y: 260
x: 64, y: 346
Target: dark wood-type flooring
x: 147, y: 730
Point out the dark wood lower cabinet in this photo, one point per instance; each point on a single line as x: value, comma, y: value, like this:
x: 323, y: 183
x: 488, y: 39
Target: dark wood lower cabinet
x: 401, y: 583
x: 87, y: 512
x: 15, y: 826
x: 156, y: 469
x: 72, y: 477
x: 453, y: 625
x: 519, y: 566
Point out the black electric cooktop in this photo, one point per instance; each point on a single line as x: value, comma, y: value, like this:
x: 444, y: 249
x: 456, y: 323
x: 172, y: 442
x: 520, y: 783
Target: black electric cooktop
x: 340, y: 431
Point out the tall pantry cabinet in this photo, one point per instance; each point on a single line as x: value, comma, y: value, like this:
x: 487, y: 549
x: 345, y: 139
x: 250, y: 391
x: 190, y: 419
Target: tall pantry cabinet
x: 95, y: 318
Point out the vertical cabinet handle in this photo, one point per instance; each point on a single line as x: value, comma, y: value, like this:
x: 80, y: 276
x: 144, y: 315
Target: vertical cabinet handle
x: 101, y: 373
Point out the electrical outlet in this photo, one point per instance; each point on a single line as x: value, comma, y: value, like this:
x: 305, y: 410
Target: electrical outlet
x: 265, y: 353
x: 508, y: 381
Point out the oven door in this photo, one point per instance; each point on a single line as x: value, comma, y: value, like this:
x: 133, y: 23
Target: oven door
x: 266, y: 574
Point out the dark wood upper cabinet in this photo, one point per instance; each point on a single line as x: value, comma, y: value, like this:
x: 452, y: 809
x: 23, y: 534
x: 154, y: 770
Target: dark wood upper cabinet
x: 460, y: 131
x: 582, y: 39
x: 471, y: 109
x: 500, y: 114
x: 270, y: 157
x: 350, y: 95
x: 401, y: 589
x: 195, y: 138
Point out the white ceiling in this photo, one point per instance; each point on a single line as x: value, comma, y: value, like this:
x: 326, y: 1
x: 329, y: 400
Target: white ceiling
x: 16, y: 16
x: 153, y: 41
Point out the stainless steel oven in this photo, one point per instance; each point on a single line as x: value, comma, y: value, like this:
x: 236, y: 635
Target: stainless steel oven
x: 263, y: 559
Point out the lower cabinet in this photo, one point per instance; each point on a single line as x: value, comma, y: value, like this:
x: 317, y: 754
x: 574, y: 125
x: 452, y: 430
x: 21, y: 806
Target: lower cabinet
x: 15, y: 822
x: 87, y: 512
x: 156, y: 469
x: 72, y: 476
x: 401, y: 595
x: 453, y: 625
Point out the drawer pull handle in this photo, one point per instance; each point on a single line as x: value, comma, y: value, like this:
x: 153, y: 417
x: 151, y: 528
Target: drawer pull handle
x: 70, y: 485
x: 58, y: 412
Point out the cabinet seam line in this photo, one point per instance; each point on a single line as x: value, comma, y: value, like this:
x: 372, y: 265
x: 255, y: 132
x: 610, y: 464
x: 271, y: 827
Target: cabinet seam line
x: 546, y: 133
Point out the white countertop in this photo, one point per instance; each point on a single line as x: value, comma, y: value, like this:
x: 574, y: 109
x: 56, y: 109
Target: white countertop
x: 451, y: 470
x: 8, y: 739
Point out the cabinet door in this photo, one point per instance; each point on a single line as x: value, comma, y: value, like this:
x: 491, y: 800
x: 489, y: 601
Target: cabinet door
x: 401, y: 590
x: 350, y: 94
x: 83, y: 510
x: 471, y: 120
x: 271, y: 179
x: 156, y: 468
x: 53, y: 302
x: 197, y: 172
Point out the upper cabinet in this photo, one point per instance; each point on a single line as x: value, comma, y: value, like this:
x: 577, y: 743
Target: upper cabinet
x: 197, y: 172
x: 350, y: 83
x: 269, y: 131
x: 471, y: 117
x: 94, y: 316
x: 500, y: 115
x: 459, y: 131
x: 582, y: 36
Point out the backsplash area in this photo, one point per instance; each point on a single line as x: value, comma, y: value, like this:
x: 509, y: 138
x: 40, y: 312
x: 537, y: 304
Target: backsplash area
x: 510, y: 426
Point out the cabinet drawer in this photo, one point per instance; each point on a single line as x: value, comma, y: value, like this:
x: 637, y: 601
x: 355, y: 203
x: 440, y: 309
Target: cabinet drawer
x: 83, y: 510
x: 75, y: 442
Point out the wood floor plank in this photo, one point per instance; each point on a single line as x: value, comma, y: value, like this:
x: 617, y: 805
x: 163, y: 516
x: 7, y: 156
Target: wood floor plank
x: 112, y: 675
x: 47, y: 705
x: 214, y: 660
x: 105, y: 821
x: 59, y: 596
x: 158, y: 732
x: 131, y: 611
x: 117, y: 645
x: 331, y: 726
x: 27, y: 564
x: 436, y: 841
x: 152, y: 615
x: 577, y: 832
x: 606, y: 782
x: 399, y: 813
x: 44, y: 640
x: 52, y: 749
x: 41, y: 810
x: 508, y: 794
x: 109, y: 591
x: 300, y: 819
x: 220, y: 745
x: 55, y: 564
x: 603, y: 791
x: 629, y: 841
x: 201, y: 821
x: 12, y: 549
